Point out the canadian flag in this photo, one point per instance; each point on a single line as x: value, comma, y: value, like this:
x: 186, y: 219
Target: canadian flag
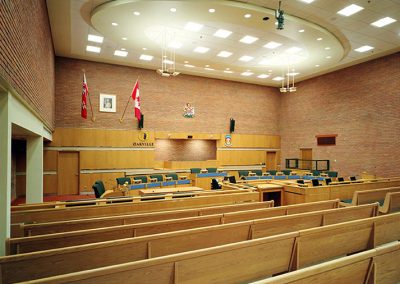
x: 85, y: 93
x: 136, y: 99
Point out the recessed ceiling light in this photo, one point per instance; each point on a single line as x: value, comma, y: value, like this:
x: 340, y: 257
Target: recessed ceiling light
x: 186, y: 61
x: 122, y: 48
x: 317, y: 65
x: 114, y: 24
x: 364, y: 48
x: 270, y: 70
x: 175, y: 44
x: 194, y: 27
x: 278, y: 78
x: 301, y: 31
x: 328, y: 57
x: 211, y: 10
x: 227, y: 68
x: 247, y: 16
x: 201, y: 49
x: 263, y: 76
x: 209, y: 69
x: 224, y: 54
x: 327, y: 48
x: 120, y: 53
x: 307, y: 1
x: 222, y: 33
x: 95, y: 38
x: 91, y: 48
x: 292, y: 73
x: 146, y: 57
x: 136, y: 13
x: 293, y: 49
x: 320, y: 38
x: 272, y: 45
x: 246, y: 58
x: 247, y: 73
x: 207, y: 65
x: 248, y: 39
x: 228, y: 71
x: 350, y: 10
x: 189, y: 65
x: 124, y: 38
x: 264, y: 62
x: 167, y: 61
x: 173, y: 10
x: 383, y: 22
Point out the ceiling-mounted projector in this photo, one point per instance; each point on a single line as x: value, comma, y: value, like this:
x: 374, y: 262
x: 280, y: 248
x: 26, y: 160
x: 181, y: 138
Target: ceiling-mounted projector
x: 166, y: 73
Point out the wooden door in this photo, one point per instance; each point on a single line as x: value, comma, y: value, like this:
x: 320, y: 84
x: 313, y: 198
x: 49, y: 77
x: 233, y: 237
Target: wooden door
x: 271, y: 161
x: 306, y: 154
x: 68, y: 173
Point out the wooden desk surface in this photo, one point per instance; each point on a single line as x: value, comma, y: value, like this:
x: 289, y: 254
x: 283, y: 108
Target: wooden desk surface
x: 269, y: 186
x: 169, y: 190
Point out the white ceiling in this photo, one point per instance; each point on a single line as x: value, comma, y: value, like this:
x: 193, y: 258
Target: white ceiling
x: 327, y: 43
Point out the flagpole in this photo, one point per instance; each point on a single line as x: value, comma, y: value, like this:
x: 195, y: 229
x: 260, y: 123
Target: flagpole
x: 90, y: 102
x: 127, y: 103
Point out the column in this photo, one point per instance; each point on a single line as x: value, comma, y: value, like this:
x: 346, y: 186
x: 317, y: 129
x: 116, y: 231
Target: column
x: 34, y: 169
x: 5, y: 171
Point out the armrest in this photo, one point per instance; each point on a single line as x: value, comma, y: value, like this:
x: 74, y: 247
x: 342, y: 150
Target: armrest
x: 252, y: 174
x: 203, y: 171
x: 168, y: 178
x: 153, y: 179
x: 136, y: 181
x: 182, y: 177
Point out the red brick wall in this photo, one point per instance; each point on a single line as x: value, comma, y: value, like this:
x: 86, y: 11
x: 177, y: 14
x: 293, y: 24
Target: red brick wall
x: 185, y: 150
x: 361, y: 104
x: 255, y: 108
x: 27, y: 55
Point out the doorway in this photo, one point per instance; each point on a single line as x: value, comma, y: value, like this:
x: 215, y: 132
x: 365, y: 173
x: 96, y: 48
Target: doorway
x: 68, y: 173
x: 270, y: 161
x: 306, y: 157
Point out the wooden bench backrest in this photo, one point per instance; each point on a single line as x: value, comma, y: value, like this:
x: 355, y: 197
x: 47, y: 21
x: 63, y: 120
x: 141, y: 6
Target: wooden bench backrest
x: 74, y: 225
x: 66, y: 260
x: 246, y: 261
x: 380, y: 265
x: 73, y: 238
x: 391, y: 203
x: 373, y: 195
x: 48, y: 215
x: 84, y: 224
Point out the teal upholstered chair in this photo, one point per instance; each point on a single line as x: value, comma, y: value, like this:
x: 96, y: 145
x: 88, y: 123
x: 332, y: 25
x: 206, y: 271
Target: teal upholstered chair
x: 123, y: 180
x: 257, y: 172
x: 243, y: 173
x: 174, y: 176
x: 286, y: 172
x: 212, y: 170
x: 272, y: 172
x: 158, y: 177
x: 142, y: 178
x: 316, y: 173
x: 332, y: 174
x: 195, y: 170
x: 98, y: 188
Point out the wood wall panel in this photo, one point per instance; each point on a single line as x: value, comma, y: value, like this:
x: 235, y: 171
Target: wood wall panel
x: 109, y: 180
x: 252, y: 141
x: 50, y: 184
x: 75, y: 137
x: 50, y: 160
x: 240, y: 157
x: 116, y: 159
x: 190, y: 164
x: 184, y: 135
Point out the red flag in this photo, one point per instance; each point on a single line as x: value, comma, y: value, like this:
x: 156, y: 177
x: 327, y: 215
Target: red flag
x: 136, y: 99
x: 85, y: 93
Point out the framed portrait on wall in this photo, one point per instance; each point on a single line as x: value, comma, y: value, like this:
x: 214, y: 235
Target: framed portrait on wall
x: 108, y: 103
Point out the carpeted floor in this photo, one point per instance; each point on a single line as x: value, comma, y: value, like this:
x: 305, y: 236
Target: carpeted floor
x: 49, y: 198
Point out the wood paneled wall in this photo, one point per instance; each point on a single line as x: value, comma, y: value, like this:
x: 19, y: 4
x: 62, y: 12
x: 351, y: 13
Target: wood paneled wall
x: 106, y: 154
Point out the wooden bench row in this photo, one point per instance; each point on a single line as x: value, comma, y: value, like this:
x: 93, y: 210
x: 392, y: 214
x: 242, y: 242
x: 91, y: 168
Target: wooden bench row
x: 379, y: 265
x: 24, y: 230
x: 73, y: 238
x: 90, y: 256
x: 90, y: 211
x: 248, y: 260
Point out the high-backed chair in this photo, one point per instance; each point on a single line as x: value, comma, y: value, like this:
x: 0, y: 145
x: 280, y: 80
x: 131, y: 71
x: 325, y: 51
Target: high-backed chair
x: 174, y: 176
x: 316, y: 173
x: 272, y: 172
x: 332, y: 174
x: 212, y: 170
x: 144, y: 179
x: 123, y: 180
x: 257, y: 172
x: 195, y: 170
x: 157, y: 176
x: 243, y: 173
x: 215, y: 184
x: 286, y: 172
x: 98, y: 188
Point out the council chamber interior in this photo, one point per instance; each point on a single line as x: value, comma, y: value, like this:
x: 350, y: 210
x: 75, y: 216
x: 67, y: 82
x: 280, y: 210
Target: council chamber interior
x: 199, y: 141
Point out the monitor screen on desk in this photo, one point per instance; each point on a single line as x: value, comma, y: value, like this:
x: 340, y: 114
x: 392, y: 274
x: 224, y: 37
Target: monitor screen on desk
x: 340, y: 179
x: 300, y: 181
x: 232, y: 179
x: 328, y: 181
x: 315, y: 182
x: 352, y: 178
